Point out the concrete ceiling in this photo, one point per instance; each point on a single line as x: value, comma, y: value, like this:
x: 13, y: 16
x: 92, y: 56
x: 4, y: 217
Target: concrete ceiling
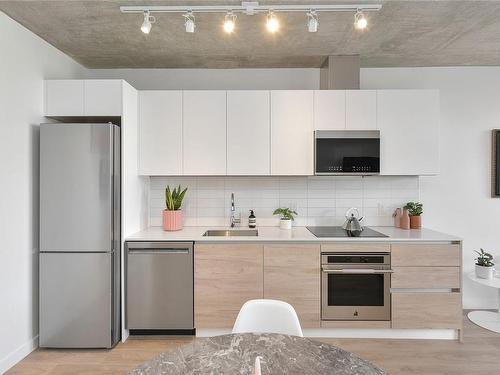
x: 403, y: 33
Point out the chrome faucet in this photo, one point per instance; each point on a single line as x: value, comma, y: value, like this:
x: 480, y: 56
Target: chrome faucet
x: 234, y: 220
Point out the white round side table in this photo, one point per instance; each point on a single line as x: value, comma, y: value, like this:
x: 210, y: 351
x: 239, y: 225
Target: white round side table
x: 486, y: 319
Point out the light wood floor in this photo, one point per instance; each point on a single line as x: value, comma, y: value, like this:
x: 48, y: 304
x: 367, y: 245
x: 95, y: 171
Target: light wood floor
x: 478, y: 354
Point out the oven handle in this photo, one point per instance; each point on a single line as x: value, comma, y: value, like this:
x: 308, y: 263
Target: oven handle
x: 357, y: 271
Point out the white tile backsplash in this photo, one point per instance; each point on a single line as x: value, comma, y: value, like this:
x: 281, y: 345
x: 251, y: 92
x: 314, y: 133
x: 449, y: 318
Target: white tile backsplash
x: 319, y: 200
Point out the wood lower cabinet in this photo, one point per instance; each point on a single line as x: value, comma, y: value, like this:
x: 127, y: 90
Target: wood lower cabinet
x: 426, y: 277
x: 225, y: 277
x: 426, y: 286
x: 427, y: 310
x: 425, y: 255
x: 292, y: 274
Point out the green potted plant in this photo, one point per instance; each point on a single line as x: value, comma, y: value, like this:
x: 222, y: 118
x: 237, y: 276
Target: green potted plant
x: 287, y: 216
x: 172, y: 215
x: 484, y: 265
x: 415, y: 210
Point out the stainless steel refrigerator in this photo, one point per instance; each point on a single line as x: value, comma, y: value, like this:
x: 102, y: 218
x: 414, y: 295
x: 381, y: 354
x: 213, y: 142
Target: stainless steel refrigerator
x: 79, y: 235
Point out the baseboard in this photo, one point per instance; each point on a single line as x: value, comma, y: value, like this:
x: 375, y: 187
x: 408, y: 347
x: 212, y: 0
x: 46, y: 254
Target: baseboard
x: 17, y: 355
x: 125, y: 334
x: 210, y: 332
x: 382, y: 333
x: 366, y: 333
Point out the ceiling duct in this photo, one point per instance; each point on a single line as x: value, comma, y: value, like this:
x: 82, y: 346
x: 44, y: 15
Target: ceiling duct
x: 340, y: 73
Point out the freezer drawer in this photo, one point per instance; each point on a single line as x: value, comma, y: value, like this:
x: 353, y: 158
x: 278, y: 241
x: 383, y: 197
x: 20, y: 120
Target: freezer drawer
x: 75, y: 300
x: 159, y: 285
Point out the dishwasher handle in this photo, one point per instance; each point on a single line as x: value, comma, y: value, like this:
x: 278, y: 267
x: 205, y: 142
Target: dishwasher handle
x: 160, y: 246
x: 160, y: 251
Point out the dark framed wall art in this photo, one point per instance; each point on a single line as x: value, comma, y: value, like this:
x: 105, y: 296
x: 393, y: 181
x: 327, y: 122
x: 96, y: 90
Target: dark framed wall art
x: 495, y: 164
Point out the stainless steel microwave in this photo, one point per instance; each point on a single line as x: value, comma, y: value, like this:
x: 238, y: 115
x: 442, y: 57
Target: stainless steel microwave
x: 353, y: 152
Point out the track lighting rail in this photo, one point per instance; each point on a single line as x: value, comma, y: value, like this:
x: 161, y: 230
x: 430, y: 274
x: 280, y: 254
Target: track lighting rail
x: 251, y: 8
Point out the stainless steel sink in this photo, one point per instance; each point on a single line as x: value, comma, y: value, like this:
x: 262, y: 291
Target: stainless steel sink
x: 231, y: 233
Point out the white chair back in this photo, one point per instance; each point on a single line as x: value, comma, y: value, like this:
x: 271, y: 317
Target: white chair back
x: 267, y: 316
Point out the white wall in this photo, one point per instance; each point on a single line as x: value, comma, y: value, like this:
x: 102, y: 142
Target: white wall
x: 25, y: 61
x: 458, y: 200
x: 214, y: 79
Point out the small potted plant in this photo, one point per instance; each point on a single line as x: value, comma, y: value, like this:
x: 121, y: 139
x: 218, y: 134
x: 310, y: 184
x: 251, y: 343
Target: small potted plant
x: 287, y: 216
x: 415, y: 210
x: 484, y: 265
x: 172, y: 215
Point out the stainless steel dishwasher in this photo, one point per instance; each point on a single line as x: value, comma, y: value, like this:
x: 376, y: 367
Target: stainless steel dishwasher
x: 159, y: 286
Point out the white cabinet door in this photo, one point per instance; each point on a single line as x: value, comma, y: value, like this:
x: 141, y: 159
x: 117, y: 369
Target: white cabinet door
x: 248, y: 133
x: 103, y: 97
x: 160, y: 133
x: 361, y: 109
x: 292, y: 132
x: 64, y: 97
x: 329, y: 109
x: 204, y: 132
x: 409, y: 131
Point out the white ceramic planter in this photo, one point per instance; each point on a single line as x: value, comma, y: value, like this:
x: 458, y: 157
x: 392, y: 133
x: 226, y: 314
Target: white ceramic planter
x: 485, y: 272
x: 285, y: 224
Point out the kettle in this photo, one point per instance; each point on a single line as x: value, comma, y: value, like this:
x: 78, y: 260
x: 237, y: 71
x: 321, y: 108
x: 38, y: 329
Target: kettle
x: 352, y: 223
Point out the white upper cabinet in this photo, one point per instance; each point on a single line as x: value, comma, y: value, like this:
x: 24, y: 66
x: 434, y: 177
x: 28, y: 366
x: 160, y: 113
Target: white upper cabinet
x: 100, y: 97
x: 204, y: 132
x: 361, y: 109
x: 329, y: 109
x: 160, y: 132
x: 292, y: 132
x: 103, y: 97
x: 248, y: 133
x: 409, y: 131
x: 64, y: 97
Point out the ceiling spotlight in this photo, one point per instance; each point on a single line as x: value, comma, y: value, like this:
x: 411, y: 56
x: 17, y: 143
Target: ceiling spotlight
x: 147, y: 23
x: 189, y: 24
x: 272, y: 23
x: 312, y: 21
x: 229, y: 22
x: 360, y: 21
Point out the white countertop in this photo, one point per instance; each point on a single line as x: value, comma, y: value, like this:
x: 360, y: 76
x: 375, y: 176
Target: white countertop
x: 297, y: 234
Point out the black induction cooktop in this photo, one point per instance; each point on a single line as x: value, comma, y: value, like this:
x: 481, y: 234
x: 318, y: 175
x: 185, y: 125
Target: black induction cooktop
x: 340, y: 232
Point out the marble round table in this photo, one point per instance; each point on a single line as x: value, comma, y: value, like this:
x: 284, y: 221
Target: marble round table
x: 486, y: 319
x: 235, y: 354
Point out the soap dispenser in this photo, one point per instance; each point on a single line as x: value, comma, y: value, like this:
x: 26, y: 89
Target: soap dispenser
x: 252, y: 220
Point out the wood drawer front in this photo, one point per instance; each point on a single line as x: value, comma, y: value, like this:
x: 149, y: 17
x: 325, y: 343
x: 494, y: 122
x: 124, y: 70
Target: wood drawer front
x: 292, y: 274
x: 225, y: 277
x: 356, y: 248
x: 427, y: 310
x: 425, y: 255
x: 425, y: 277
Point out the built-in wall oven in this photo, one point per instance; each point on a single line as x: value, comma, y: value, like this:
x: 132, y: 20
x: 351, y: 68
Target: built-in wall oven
x: 355, y: 286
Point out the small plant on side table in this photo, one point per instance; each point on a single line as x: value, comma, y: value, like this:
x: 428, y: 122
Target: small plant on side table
x: 415, y: 210
x: 287, y: 216
x: 484, y: 265
x: 172, y: 215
